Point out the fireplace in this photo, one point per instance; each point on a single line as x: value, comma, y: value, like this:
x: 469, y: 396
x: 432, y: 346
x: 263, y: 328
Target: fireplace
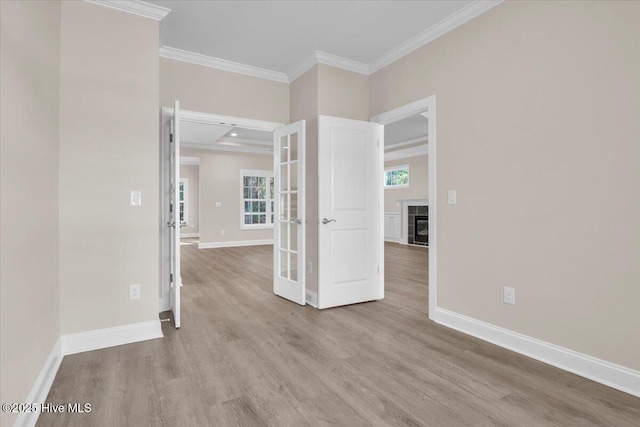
x: 418, y: 225
x: 421, y: 227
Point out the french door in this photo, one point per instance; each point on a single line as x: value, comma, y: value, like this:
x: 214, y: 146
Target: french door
x: 289, y: 216
x: 175, y: 223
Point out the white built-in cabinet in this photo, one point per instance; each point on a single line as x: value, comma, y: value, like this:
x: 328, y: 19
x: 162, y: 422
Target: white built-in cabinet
x: 392, y: 226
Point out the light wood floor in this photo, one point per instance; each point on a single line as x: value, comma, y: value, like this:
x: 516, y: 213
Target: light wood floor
x: 245, y: 357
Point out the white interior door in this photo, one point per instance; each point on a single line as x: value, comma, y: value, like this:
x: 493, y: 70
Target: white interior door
x: 174, y: 214
x: 289, y: 212
x: 349, y: 229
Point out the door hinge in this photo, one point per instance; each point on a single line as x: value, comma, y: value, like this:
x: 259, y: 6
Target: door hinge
x: 170, y: 137
x: 171, y: 277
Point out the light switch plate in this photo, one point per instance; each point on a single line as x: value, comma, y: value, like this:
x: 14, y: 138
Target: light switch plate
x: 136, y: 198
x: 509, y: 295
x: 218, y: 204
x: 452, y: 197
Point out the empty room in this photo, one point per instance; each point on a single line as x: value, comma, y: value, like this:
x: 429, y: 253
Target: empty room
x: 309, y: 213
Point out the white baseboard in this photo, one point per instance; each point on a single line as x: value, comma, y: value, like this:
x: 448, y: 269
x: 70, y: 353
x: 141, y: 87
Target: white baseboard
x: 110, y: 337
x: 311, y: 298
x: 42, y: 385
x: 392, y: 239
x: 607, y: 373
x: 186, y: 235
x: 233, y: 244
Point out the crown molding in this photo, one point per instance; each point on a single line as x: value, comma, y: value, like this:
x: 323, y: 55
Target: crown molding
x: 452, y: 21
x: 317, y: 57
x: 140, y: 8
x: 222, y: 64
x: 305, y: 65
x: 344, y: 63
x: 405, y: 143
x: 420, y: 150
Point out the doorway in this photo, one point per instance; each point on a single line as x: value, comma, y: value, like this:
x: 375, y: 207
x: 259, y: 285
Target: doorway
x: 200, y: 135
x: 420, y: 208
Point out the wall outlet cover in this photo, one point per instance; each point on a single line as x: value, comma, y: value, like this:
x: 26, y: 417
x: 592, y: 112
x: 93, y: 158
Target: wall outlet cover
x: 134, y: 291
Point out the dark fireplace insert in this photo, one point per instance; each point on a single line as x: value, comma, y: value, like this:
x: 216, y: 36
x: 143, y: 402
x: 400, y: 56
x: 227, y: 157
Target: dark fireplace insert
x: 421, y: 227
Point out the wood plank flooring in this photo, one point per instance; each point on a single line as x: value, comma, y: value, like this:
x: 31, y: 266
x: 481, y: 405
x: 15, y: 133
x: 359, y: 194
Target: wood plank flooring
x: 245, y: 357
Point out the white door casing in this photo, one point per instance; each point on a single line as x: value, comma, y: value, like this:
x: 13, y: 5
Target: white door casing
x: 350, y: 228
x: 174, y: 214
x: 289, y: 212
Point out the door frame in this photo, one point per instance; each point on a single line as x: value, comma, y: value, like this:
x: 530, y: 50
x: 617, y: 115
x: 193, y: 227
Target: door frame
x: 165, y: 123
x: 427, y: 107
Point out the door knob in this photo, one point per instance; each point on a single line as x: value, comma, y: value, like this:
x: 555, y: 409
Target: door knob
x: 295, y: 221
x: 171, y: 224
x: 327, y: 221
x: 183, y: 224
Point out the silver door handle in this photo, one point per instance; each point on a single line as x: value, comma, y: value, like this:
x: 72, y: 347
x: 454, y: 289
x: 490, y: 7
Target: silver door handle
x: 183, y: 224
x: 295, y: 221
x: 327, y: 221
x: 171, y: 224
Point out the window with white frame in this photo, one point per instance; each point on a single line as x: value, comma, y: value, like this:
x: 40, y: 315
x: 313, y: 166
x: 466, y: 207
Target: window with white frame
x: 257, y: 193
x: 183, y: 202
x: 396, y: 177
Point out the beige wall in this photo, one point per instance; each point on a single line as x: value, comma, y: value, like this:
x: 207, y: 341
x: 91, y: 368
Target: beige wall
x: 323, y: 90
x: 29, y: 135
x: 212, y: 91
x: 108, y: 146
x: 538, y: 130
x: 342, y: 93
x: 304, y: 106
x: 418, y: 183
x: 220, y: 182
x: 192, y: 174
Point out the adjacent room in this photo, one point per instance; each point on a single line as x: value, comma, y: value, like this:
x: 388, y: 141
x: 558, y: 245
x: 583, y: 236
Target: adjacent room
x: 296, y: 213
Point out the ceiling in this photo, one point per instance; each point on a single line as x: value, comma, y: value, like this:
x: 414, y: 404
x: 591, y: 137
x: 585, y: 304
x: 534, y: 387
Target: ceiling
x: 225, y: 137
x: 413, y: 128
x: 280, y: 35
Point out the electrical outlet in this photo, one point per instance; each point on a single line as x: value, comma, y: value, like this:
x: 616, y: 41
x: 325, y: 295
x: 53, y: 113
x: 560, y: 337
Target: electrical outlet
x: 134, y: 291
x: 509, y: 295
x: 222, y: 232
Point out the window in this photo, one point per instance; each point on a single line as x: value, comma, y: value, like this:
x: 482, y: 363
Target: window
x: 257, y: 199
x: 183, y: 202
x: 396, y: 177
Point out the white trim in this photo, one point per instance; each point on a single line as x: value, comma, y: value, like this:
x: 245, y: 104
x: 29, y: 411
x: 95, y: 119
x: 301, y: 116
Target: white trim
x: 302, y: 67
x: 230, y: 148
x: 193, y: 161
x: 41, y: 386
x: 426, y: 107
x: 340, y: 62
x: 317, y: 57
x: 405, y: 143
x: 189, y: 235
x: 140, y: 8
x: 420, y: 150
x: 236, y: 140
x: 607, y: 373
x: 219, y: 119
x: 234, y: 244
x: 110, y: 337
x: 403, y: 112
x: 222, y: 64
x: 430, y: 34
x: 311, y: 298
x: 266, y: 174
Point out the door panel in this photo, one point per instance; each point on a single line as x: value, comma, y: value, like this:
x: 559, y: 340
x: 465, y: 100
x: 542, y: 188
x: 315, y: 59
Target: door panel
x: 348, y: 208
x: 174, y: 214
x: 289, y: 226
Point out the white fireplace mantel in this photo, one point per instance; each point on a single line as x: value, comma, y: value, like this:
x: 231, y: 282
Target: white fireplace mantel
x: 405, y: 215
